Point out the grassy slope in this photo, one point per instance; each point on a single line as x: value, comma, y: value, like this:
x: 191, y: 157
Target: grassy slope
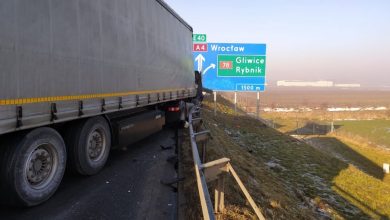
x: 276, y: 201
x: 303, y: 182
x: 370, y: 131
x: 363, y: 182
x: 377, y: 131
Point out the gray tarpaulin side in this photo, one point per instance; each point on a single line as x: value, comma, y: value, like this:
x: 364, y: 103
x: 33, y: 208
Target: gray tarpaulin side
x: 51, y: 48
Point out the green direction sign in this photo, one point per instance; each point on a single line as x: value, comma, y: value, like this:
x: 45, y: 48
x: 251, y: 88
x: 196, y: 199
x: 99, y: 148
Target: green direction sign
x: 241, y: 66
x: 199, y: 38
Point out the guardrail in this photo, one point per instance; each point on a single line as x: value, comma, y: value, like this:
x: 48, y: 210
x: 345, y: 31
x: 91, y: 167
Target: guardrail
x: 212, y: 171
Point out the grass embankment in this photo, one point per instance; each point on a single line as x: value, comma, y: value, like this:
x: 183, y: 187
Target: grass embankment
x: 363, y: 145
x: 290, y: 179
x: 375, y: 131
x: 363, y: 183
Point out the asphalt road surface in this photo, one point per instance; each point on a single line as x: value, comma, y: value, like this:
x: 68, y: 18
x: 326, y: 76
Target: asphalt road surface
x: 129, y: 187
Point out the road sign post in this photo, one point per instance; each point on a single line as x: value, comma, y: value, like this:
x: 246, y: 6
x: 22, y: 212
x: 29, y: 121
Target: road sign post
x: 235, y: 102
x: 215, y: 103
x: 258, y: 106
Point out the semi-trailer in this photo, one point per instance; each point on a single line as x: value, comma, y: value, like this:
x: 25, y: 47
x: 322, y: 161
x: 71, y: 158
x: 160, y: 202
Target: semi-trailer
x: 81, y: 77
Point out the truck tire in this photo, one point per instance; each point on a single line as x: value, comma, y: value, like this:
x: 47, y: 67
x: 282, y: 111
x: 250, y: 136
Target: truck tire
x: 33, y: 165
x: 89, y: 143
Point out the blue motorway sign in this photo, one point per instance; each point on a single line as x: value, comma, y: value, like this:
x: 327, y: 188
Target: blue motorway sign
x: 231, y: 67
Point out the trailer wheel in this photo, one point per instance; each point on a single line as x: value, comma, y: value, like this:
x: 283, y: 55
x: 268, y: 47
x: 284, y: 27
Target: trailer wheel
x: 33, y: 167
x: 89, y: 144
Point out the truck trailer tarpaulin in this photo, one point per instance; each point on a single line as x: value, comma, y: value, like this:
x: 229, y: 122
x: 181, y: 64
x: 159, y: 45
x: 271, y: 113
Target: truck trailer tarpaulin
x: 80, y: 77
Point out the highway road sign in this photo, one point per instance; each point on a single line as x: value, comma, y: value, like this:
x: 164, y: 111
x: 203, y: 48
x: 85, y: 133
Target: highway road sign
x: 199, y: 47
x: 231, y: 67
x: 199, y: 38
x: 241, y: 66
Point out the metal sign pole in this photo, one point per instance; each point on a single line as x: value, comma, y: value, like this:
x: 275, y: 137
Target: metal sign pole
x: 258, y: 106
x: 235, y: 102
x: 215, y: 103
x: 332, y: 127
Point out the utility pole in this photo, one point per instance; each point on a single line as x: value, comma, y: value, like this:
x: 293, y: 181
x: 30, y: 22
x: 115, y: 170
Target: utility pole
x: 258, y: 106
x: 235, y: 102
x: 215, y: 103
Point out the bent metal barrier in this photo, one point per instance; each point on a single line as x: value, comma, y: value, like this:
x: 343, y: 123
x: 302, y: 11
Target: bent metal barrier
x: 212, y: 171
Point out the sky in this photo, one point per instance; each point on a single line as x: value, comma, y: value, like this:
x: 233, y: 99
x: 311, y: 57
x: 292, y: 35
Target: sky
x: 346, y: 41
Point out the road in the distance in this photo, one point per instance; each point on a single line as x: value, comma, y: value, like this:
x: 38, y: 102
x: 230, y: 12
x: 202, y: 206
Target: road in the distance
x: 128, y: 188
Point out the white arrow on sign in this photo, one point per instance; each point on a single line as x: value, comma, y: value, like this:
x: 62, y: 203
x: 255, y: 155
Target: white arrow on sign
x: 211, y: 66
x: 200, y: 59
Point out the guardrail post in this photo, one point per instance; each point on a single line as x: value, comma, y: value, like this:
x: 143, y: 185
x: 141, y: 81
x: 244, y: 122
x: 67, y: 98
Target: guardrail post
x: 219, y: 206
x: 216, y: 171
x: 197, y: 124
x: 203, y: 150
x: 202, y: 138
x: 196, y: 114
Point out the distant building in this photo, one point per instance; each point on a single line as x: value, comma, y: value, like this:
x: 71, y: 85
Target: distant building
x: 305, y: 83
x: 348, y: 85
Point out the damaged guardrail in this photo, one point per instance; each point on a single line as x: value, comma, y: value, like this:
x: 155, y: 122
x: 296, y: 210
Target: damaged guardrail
x: 212, y: 171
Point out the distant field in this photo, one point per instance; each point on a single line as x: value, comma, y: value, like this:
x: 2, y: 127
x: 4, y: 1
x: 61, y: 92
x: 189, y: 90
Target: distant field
x: 329, y: 116
x: 376, y: 131
x: 367, y: 131
x: 314, y: 98
x: 367, y: 126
